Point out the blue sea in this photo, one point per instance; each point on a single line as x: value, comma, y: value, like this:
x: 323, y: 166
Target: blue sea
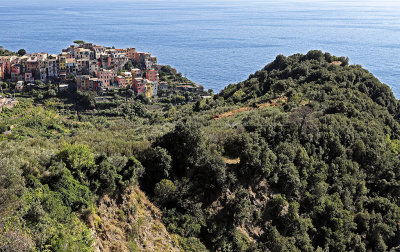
x: 217, y: 42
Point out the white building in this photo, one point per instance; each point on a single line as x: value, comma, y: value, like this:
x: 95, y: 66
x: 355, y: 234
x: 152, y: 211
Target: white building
x: 155, y: 88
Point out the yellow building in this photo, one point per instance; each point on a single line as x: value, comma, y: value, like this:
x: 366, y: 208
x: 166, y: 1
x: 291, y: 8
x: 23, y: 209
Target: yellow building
x: 128, y: 78
x: 63, y: 63
x: 149, y: 88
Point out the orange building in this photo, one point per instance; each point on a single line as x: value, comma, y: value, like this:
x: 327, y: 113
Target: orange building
x: 82, y: 82
x: 130, y: 53
x: 152, y: 75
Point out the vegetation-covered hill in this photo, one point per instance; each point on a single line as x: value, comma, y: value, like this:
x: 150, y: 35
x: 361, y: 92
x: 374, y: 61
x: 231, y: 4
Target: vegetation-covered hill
x: 5, y: 52
x: 302, y: 156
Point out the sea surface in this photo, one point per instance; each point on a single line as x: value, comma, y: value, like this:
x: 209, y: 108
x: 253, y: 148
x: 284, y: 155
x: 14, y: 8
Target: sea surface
x: 214, y: 43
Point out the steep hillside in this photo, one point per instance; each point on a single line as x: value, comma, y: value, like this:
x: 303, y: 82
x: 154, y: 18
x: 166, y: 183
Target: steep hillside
x: 318, y: 171
x: 301, y: 156
x: 132, y: 225
x: 43, y: 208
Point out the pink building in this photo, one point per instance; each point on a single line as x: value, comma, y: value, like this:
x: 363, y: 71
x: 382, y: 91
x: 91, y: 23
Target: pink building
x: 16, y: 69
x: 1, y: 71
x: 139, y: 85
x: 107, y: 77
x: 32, y: 66
x: 6, y: 65
x: 121, y: 80
x: 29, y: 77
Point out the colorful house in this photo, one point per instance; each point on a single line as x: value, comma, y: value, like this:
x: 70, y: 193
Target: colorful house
x: 29, y: 77
x: 107, y: 77
x: 86, y: 83
x: 43, y: 67
x: 98, y: 50
x: 70, y: 65
x: 163, y: 86
x: 121, y: 81
x: 155, y: 87
x: 83, y: 54
x: 152, y: 75
x: 32, y: 66
x: 130, y: 53
x: 1, y: 71
x: 148, y: 88
x: 136, y: 73
x: 138, y: 85
x: 52, y: 69
x: 95, y: 84
x: 16, y: 69
x: 40, y: 56
x: 82, y: 82
x: 93, y: 66
x: 63, y: 63
x: 128, y: 78
x: 82, y: 66
x: 85, y: 61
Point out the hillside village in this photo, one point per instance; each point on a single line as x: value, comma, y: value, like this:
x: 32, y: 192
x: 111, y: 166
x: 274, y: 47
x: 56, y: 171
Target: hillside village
x: 90, y: 67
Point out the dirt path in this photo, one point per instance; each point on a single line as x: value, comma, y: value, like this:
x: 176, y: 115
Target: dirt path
x: 274, y: 102
x: 231, y: 160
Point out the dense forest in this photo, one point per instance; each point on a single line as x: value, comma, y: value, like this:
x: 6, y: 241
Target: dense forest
x: 301, y: 156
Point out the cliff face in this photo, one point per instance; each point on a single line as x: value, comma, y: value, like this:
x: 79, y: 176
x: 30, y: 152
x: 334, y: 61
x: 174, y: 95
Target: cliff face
x: 133, y: 224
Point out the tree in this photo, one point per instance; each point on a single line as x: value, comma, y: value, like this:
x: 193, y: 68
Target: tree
x: 4, y: 85
x: 128, y: 66
x: 74, y: 194
x: 21, y: 52
x: 77, y: 158
x: 105, y: 178
x: 79, y: 42
x: 209, y: 175
x: 130, y: 173
x: 256, y: 159
x: 157, y: 163
x: 302, y: 117
x: 164, y: 191
x: 240, y: 206
x: 185, y: 145
x: 86, y: 99
x: 52, y: 93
